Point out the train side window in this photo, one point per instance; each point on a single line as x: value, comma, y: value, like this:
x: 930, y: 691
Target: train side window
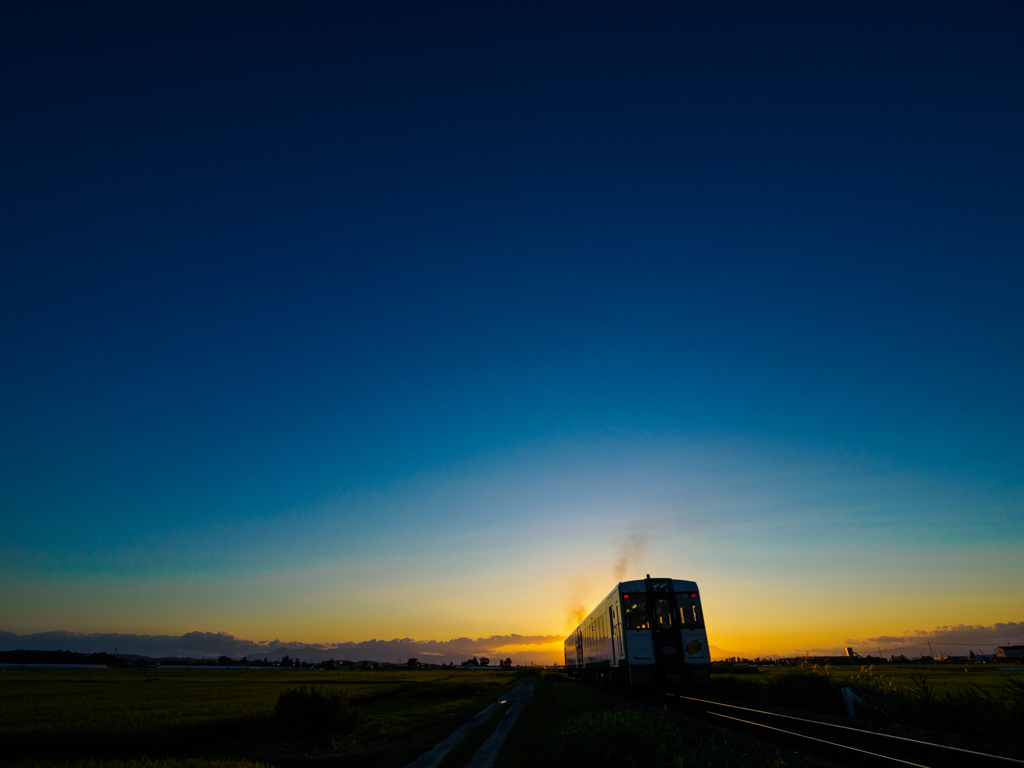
x: 662, y: 614
x: 636, y: 612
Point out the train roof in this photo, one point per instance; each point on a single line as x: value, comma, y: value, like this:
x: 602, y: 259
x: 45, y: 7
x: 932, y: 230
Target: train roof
x: 640, y: 585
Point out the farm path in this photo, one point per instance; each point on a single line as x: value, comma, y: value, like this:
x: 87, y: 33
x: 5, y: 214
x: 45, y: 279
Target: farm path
x: 517, y: 698
x: 433, y: 757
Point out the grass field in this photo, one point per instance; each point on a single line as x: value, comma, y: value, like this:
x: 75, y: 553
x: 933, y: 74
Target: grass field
x: 941, y: 676
x: 231, y: 719
x: 973, y: 701
x: 568, y: 724
x: 230, y: 715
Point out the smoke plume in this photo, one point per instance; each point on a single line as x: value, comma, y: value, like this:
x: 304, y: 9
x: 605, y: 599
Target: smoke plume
x: 631, y: 551
x: 576, y: 614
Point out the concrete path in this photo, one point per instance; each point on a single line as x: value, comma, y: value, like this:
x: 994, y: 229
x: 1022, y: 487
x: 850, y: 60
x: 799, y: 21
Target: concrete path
x: 434, y: 756
x: 517, y: 698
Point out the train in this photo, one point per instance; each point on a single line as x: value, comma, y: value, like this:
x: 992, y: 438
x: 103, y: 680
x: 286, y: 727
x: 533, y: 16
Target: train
x: 645, y: 632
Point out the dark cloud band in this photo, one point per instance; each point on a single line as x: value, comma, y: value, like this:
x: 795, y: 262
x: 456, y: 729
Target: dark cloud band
x: 223, y: 644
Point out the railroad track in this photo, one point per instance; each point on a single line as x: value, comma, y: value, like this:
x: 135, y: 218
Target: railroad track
x: 845, y: 744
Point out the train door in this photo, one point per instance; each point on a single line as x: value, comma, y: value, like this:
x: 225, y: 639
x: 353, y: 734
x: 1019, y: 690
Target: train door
x: 616, y: 627
x: 668, y: 649
x: 637, y: 631
x: 579, y: 648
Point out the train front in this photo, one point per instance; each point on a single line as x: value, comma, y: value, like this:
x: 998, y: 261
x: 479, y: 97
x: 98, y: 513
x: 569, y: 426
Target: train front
x: 664, y: 634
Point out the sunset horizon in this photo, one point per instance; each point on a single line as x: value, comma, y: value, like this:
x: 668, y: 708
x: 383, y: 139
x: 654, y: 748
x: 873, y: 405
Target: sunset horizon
x: 398, y: 327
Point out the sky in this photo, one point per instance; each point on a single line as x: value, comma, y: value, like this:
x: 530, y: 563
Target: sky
x: 328, y: 324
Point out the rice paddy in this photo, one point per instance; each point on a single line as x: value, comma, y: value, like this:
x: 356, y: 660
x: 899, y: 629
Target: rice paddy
x: 230, y: 715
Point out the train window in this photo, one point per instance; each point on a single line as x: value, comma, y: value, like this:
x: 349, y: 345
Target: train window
x: 636, y: 612
x: 662, y: 614
x: 689, y: 610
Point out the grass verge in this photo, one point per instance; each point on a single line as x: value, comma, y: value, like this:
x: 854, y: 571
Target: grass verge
x: 568, y: 724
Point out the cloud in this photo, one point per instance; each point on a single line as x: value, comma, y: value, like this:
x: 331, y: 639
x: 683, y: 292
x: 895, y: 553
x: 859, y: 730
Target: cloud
x: 527, y: 647
x: 949, y: 638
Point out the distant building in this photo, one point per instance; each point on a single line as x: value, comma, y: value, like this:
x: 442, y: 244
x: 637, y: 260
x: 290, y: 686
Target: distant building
x: 1010, y: 651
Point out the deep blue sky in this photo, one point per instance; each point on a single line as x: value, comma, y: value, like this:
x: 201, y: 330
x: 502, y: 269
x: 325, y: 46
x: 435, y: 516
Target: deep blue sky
x: 253, y: 258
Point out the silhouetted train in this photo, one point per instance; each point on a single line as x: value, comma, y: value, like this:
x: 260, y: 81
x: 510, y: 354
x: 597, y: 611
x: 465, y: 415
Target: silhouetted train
x: 645, y: 632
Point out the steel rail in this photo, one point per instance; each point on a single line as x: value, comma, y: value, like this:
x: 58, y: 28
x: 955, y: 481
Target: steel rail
x: 846, y: 744
x: 876, y: 734
x: 873, y: 755
x: 868, y: 745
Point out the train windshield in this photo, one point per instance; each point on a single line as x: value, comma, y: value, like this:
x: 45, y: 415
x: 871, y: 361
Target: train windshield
x: 635, y: 607
x: 662, y: 613
x: 689, y: 610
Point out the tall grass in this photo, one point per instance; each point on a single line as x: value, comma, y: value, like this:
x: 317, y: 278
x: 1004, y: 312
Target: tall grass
x: 969, y: 710
x: 626, y: 738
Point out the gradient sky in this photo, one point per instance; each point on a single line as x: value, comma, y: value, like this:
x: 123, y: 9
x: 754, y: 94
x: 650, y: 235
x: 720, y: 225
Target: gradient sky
x: 331, y: 323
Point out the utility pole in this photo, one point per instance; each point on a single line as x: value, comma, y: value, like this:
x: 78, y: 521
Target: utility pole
x: 930, y: 649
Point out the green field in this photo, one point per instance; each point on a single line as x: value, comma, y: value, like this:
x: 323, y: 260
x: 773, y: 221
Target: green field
x: 977, y: 700
x: 941, y: 676
x: 187, y: 719
x: 211, y: 715
x: 229, y: 719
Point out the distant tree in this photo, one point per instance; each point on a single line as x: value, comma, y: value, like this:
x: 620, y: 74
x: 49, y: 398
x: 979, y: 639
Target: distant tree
x: 286, y: 661
x: 412, y: 663
x: 224, y: 661
x: 507, y: 663
x: 484, y: 661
